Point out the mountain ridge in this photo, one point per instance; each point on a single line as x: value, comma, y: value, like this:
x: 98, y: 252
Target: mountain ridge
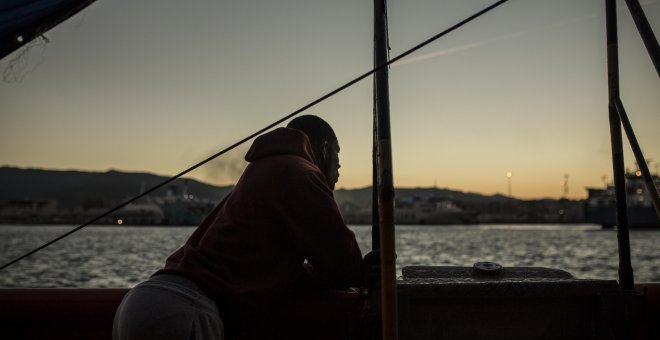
x: 74, y: 187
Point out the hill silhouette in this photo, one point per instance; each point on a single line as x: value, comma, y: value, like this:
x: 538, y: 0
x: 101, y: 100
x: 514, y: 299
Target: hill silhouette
x: 362, y: 196
x: 81, y: 191
x: 73, y: 188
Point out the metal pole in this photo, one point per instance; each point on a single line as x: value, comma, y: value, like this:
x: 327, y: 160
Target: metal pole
x: 646, y: 32
x: 643, y: 167
x: 375, y: 227
x: 385, y: 178
x: 373, y: 283
x: 625, y: 267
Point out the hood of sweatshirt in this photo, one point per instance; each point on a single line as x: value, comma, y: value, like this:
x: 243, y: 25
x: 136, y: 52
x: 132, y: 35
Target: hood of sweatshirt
x: 281, y: 141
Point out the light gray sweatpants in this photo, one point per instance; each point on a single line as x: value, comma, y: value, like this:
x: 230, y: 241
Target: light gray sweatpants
x: 167, y: 307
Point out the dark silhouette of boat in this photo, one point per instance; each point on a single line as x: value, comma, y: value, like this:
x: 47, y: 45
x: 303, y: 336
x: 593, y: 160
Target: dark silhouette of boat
x: 431, y: 211
x: 599, y: 208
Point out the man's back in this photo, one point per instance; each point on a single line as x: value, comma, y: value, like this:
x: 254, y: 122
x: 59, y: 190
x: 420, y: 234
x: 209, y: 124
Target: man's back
x: 248, y: 253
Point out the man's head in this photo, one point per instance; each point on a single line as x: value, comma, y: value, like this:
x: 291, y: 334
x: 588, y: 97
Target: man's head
x: 324, y: 144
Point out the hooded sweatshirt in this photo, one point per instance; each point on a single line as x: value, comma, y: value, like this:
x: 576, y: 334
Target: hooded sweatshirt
x: 248, y: 253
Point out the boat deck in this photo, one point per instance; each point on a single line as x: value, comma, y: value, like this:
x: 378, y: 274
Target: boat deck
x: 429, y: 308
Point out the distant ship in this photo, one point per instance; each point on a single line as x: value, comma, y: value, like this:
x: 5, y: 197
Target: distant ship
x: 600, y: 206
x: 172, y: 209
x: 431, y: 211
x: 414, y: 210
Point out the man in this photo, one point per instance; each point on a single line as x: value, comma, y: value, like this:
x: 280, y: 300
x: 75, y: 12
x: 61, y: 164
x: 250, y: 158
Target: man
x: 276, y: 237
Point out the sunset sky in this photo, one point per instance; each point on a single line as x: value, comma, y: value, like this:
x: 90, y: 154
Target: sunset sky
x: 158, y: 85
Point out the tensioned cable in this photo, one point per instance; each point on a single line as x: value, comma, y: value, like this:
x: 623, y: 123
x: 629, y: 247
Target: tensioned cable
x: 290, y: 115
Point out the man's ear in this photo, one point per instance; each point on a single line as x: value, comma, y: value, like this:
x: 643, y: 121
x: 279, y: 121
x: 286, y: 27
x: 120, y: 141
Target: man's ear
x: 325, y: 150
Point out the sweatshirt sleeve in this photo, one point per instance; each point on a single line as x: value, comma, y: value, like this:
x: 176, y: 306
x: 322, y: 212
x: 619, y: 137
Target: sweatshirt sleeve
x: 311, y: 216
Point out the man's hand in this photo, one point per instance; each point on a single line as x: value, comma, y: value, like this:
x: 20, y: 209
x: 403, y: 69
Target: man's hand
x: 371, y: 269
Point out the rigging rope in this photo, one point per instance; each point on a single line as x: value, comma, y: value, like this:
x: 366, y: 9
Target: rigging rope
x: 268, y: 127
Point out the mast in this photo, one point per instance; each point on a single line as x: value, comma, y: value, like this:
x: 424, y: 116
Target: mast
x: 623, y: 236
x: 385, y: 178
x: 645, y: 32
x: 653, y: 49
x: 375, y: 228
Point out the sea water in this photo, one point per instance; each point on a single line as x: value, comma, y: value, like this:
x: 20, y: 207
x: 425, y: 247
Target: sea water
x: 113, y: 256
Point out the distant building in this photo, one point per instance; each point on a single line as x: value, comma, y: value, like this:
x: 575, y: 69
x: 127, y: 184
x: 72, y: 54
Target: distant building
x: 437, y: 210
x: 31, y: 211
x: 140, y: 214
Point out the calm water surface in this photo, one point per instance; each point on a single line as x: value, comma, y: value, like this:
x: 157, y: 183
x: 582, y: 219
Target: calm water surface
x: 110, y: 256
